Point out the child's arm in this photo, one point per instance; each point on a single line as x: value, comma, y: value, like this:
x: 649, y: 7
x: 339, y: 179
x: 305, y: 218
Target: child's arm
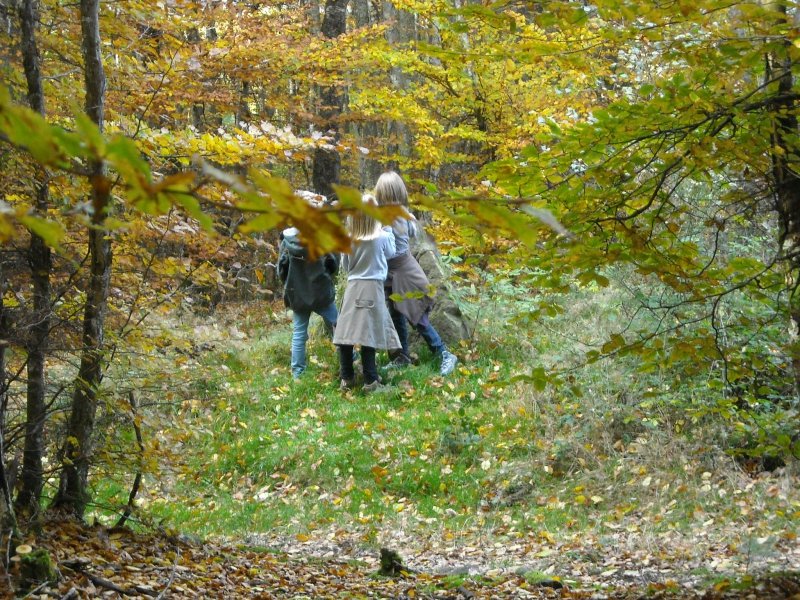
x: 331, y: 262
x: 283, y: 263
x: 412, y: 227
x: 389, y: 247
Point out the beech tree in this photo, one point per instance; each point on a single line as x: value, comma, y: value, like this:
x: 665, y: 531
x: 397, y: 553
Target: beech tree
x: 40, y: 260
x: 326, y: 158
x: 138, y: 172
x: 671, y: 185
x: 72, y: 493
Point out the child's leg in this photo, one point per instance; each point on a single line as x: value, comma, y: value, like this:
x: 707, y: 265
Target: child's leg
x: 435, y: 343
x: 299, y: 339
x: 368, y: 363
x: 346, y: 372
x: 329, y: 315
x: 400, y: 326
x: 430, y: 335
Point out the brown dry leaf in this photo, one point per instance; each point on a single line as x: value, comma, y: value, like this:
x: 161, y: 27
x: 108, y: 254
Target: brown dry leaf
x: 149, y: 565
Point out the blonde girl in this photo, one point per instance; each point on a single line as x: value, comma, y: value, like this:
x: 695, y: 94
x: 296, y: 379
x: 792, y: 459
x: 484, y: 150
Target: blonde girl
x: 406, y: 279
x: 364, y: 319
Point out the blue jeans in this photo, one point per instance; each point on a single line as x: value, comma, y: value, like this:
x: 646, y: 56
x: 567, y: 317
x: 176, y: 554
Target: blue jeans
x: 424, y: 327
x: 300, y: 334
x: 430, y: 335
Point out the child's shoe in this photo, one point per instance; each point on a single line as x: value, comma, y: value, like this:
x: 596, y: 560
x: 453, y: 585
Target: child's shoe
x: 449, y: 361
x: 376, y: 387
x: 401, y: 361
x: 347, y: 384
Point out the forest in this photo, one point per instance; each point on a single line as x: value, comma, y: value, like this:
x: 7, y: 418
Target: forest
x: 609, y: 198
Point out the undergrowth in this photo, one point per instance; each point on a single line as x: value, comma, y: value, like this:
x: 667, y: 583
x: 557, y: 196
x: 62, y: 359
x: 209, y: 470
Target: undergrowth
x: 610, y: 454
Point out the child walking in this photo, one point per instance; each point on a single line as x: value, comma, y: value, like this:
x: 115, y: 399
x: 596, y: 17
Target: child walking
x: 364, y: 320
x: 406, y: 278
x: 308, y: 288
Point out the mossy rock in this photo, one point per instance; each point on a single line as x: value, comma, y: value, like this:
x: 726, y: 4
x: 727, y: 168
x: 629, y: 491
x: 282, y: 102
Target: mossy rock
x: 391, y: 564
x: 36, y: 568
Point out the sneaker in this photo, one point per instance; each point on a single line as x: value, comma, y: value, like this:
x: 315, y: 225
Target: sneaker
x: 347, y: 384
x: 449, y: 361
x: 375, y: 387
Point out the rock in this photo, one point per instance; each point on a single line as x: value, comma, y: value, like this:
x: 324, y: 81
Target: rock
x: 391, y: 564
x: 36, y: 568
x: 446, y: 315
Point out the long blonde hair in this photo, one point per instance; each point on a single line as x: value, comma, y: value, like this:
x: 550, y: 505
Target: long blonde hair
x: 390, y: 189
x: 363, y: 226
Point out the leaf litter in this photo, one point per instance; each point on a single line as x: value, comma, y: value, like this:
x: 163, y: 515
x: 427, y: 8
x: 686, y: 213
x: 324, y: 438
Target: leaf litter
x: 116, y: 563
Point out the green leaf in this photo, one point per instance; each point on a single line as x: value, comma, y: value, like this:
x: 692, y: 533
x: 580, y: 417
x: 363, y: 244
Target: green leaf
x: 123, y: 154
x: 263, y: 222
x: 51, y: 232
x: 29, y: 131
x: 91, y: 134
x: 615, y: 342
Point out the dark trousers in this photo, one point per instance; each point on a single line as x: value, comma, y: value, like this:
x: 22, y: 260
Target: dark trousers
x: 424, y: 327
x: 346, y: 370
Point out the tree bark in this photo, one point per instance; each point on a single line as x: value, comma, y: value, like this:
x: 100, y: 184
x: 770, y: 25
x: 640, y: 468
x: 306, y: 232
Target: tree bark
x: 785, y: 179
x: 367, y: 133
x: 8, y: 519
x: 401, y: 32
x: 243, y: 113
x: 40, y: 260
x: 73, y: 493
x: 361, y: 12
x: 327, y: 162
x: 312, y: 12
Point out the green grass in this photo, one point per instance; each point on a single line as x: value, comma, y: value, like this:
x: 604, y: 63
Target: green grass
x: 473, y: 454
x: 260, y: 439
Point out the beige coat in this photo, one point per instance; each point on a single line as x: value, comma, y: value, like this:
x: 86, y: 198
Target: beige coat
x: 364, y: 319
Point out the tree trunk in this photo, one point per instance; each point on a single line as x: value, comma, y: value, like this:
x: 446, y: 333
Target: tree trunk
x: 361, y: 12
x: 40, y: 260
x: 312, y: 12
x: 402, y: 32
x: 73, y: 490
x: 243, y: 113
x: 8, y: 521
x: 367, y: 133
x: 786, y: 181
x: 327, y: 162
